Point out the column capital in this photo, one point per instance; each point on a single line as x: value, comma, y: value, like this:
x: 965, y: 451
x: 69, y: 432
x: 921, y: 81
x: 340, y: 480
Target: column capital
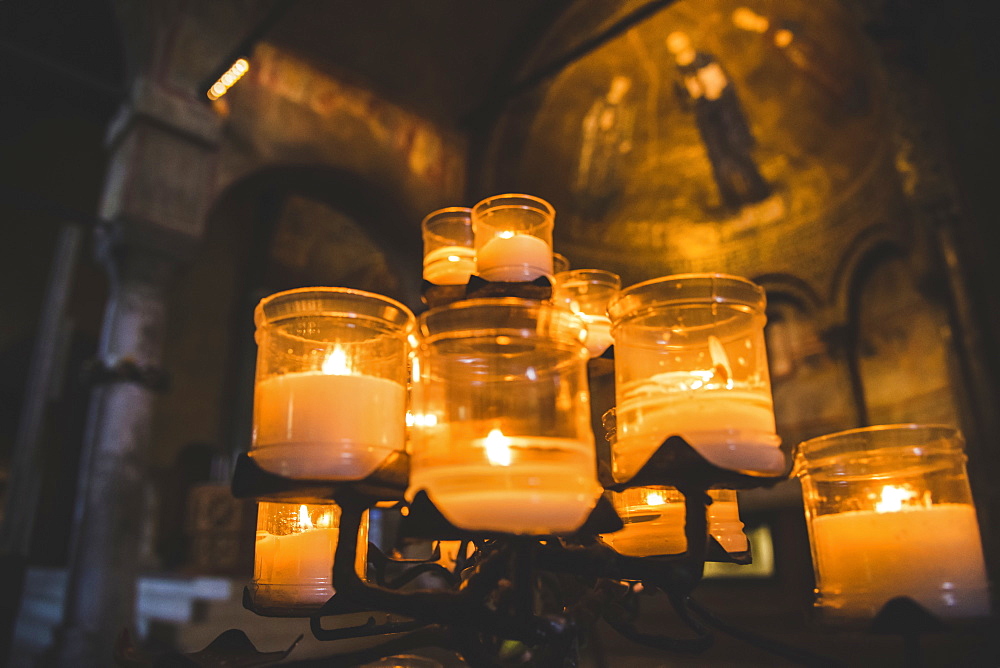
x: 179, y: 113
x: 161, y: 170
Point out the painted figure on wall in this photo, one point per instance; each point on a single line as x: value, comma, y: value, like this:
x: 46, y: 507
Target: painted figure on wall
x: 705, y: 89
x: 846, y: 88
x: 606, y: 138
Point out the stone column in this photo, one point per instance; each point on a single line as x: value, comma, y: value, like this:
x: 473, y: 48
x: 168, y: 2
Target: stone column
x: 156, y: 196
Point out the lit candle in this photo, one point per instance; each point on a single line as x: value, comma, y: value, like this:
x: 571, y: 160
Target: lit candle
x: 731, y: 428
x: 512, y: 256
x: 450, y: 265
x: 931, y: 553
x: 690, y: 361
x: 587, y: 292
x: 513, y: 237
x: 449, y: 256
x: 598, y: 333
x: 501, y: 437
x: 515, y: 484
x: 328, y: 424
x: 297, y: 568
x: 890, y: 514
x: 655, y: 525
x: 294, y: 555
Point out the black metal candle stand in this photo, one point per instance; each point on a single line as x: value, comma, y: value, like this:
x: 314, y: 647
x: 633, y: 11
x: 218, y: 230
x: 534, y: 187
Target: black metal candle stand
x: 524, y: 599
x: 477, y: 287
x: 386, y: 483
x: 677, y: 464
x: 541, y: 594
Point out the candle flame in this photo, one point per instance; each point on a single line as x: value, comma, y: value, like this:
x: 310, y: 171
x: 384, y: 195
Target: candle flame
x: 893, y: 498
x: 655, y: 499
x: 498, y: 448
x: 506, y: 234
x: 336, y: 363
x: 305, y: 522
x: 421, y: 419
x: 325, y: 521
x: 723, y: 372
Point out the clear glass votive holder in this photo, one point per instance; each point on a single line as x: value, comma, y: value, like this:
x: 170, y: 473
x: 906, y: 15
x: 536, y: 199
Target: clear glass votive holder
x: 501, y: 437
x: 560, y: 263
x: 587, y: 292
x: 330, y: 392
x: 513, y: 237
x: 654, y: 521
x: 294, y: 555
x: 890, y: 514
x: 449, y: 248
x: 690, y: 361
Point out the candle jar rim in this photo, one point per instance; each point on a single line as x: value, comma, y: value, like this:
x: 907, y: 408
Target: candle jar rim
x: 819, y: 452
x: 602, y: 276
x: 495, y: 313
x: 449, y: 211
x: 560, y: 260
x: 447, y: 214
x: 687, y: 289
x: 333, y: 301
x: 515, y: 200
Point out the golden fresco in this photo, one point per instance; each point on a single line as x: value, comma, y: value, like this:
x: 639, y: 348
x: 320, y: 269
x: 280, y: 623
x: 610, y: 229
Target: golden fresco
x: 713, y: 121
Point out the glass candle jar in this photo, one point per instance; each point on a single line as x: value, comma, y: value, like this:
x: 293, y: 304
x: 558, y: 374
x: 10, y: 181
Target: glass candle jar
x: 449, y: 251
x: 513, y: 237
x: 560, y: 263
x: 690, y: 361
x: 330, y: 393
x: 890, y: 514
x: 587, y: 292
x: 654, y: 521
x: 293, y: 555
x: 501, y: 437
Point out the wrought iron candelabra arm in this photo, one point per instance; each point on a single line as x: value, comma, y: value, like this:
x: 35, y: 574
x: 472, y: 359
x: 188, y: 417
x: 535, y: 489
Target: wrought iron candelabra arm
x: 497, y: 598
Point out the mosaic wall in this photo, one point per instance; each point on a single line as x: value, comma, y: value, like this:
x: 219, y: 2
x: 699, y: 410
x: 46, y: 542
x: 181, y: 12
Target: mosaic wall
x: 753, y: 139
x: 709, y: 137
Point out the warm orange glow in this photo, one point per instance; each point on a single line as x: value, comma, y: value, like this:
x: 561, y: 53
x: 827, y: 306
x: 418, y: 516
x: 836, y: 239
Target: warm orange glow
x: 498, y: 448
x: 655, y: 499
x: 305, y: 522
x: 893, y: 498
x: 226, y: 81
x: 421, y: 419
x: 326, y: 519
x: 336, y: 363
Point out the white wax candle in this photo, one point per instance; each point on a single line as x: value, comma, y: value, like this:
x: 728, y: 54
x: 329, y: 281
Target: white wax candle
x: 296, y: 568
x: 663, y: 534
x: 659, y: 529
x: 450, y: 265
x: 329, y: 426
x: 598, y: 333
x: 731, y: 428
x: 530, y: 485
x: 931, y: 554
x: 514, y: 257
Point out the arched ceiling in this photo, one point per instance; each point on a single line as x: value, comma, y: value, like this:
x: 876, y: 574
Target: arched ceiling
x: 440, y: 58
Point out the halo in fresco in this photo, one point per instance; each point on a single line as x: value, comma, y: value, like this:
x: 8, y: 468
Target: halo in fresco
x: 709, y: 119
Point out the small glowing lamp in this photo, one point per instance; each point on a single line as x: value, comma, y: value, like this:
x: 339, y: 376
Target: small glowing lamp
x: 890, y: 514
x: 228, y: 79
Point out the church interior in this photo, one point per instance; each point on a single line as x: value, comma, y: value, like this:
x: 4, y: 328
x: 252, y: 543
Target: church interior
x: 166, y: 165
